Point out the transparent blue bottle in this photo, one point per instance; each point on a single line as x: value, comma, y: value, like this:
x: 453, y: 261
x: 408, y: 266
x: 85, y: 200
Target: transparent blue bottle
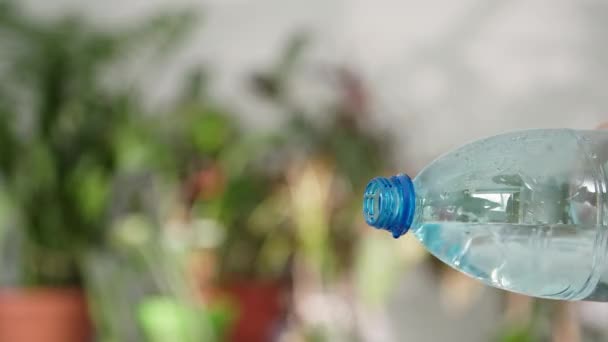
x: 524, y: 211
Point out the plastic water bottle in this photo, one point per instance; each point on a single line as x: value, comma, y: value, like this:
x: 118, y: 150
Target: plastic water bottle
x: 525, y: 211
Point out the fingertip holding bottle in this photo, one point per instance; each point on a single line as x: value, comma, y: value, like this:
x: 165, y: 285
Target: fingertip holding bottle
x: 389, y: 204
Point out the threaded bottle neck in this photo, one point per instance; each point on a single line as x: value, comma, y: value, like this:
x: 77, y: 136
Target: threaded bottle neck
x: 389, y: 203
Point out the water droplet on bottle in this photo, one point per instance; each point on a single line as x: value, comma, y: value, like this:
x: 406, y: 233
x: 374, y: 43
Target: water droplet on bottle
x: 529, y: 182
x: 594, y: 155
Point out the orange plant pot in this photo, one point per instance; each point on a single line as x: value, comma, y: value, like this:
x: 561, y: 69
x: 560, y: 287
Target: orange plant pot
x: 44, y: 315
x: 261, y: 307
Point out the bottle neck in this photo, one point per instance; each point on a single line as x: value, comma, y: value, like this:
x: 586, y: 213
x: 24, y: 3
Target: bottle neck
x: 390, y: 203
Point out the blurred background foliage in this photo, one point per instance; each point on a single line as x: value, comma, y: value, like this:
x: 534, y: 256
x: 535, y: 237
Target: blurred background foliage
x: 64, y: 132
x: 179, y: 223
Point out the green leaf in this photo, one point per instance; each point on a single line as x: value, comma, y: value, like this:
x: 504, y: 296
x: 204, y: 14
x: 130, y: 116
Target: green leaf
x: 518, y: 334
x: 211, y: 131
x: 90, y: 186
x: 165, y: 319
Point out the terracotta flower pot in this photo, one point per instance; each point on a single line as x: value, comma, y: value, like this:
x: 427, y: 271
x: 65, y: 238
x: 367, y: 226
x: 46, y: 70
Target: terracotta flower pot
x: 44, y: 315
x: 261, y: 307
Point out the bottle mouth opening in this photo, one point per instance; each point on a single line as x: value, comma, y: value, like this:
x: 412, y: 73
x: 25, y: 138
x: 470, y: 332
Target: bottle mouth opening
x: 373, y: 201
x: 388, y: 203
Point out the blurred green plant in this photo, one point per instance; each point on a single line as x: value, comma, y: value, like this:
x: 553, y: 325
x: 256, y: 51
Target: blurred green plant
x: 350, y: 151
x: 327, y: 156
x: 66, y: 132
x: 225, y: 177
x: 86, y: 168
x: 252, y: 201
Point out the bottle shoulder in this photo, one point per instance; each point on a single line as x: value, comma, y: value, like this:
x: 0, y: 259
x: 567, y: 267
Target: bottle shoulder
x: 536, y: 150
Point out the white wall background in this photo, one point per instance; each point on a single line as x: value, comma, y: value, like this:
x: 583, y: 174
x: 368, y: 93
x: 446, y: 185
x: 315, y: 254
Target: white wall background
x: 444, y: 72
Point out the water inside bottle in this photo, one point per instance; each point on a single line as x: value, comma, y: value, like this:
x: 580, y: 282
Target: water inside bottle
x: 540, y: 235
x: 552, y: 261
